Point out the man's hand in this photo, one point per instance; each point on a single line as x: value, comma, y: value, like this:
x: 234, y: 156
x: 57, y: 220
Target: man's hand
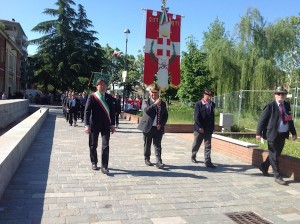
x: 294, y: 137
x: 258, y: 137
x: 158, y: 101
x: 112, y: 129
x: 87, y: 129
x: 201, y: 130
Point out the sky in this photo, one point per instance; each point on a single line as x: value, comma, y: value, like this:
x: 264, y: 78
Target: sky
x: 111, y: 17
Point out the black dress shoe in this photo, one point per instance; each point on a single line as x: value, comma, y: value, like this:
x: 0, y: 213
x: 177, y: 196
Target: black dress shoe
x: 94, y: 167
x: 194, y: 160
x: 160, y: 165
x: 210, y: 165
x: 264, y: 171
x: 280, y: 181
x: 148, y: 163
x: 104, y: 170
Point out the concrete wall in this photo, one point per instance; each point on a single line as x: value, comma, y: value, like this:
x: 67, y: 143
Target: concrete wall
x: 15, y: 143
x: 12, y: 110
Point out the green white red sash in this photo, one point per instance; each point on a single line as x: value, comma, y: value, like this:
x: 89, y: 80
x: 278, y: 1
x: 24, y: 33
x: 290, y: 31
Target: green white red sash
x: 99, y: 99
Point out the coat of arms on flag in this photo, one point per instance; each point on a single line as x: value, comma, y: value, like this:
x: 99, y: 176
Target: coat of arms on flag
x: 162, y: 48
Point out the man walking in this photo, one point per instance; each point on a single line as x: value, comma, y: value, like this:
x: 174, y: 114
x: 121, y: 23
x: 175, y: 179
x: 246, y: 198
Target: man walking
x: 152, y: 124
x: 275, y: 125
x: 99, y: 117
x: 204, y: 117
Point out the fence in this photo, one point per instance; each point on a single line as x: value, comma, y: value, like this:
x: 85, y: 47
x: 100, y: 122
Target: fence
x: 247, y: 105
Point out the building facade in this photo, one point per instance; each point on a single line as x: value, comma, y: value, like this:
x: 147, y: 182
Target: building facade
x: 13, y: 57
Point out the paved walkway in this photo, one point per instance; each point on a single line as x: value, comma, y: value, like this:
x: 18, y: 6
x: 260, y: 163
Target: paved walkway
x: 55, y: 184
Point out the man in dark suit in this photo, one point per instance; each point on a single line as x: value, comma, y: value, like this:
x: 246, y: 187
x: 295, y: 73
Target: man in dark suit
x: 99, y: 117
x: 73, y: 105
x: 118, y: 109
x: 152, y: 124
x: 204, y: 117
x: 275, y: 124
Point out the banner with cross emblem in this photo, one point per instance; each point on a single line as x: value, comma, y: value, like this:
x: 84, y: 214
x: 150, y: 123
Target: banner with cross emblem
x: 162, y: 48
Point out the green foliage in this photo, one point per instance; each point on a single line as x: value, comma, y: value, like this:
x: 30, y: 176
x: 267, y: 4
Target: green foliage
x: 236, y: 128
x: 68, y: 49
x: 259, y: 56
x: 2, y: 26
x: 221, y: 59
x: 169, y: 94
x: 194, y: 74
x: 180, y: 115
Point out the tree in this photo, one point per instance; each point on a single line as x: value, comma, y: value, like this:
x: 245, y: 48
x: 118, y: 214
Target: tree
x: 288, y: 45
x: 194, y: 72
x: 68, y: 46
x: 221, y: 58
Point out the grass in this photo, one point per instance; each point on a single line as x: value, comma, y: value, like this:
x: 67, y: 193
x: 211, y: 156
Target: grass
x: 180, y: 115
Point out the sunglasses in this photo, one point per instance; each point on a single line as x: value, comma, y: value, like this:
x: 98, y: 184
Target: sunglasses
x: 280, y: 94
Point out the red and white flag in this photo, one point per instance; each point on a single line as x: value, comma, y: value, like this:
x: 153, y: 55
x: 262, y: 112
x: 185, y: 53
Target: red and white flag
x: 117, y: 53
x: 162, y: 48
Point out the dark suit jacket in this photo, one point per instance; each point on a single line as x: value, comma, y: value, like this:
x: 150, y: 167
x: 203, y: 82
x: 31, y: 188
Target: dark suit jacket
x: 69, y: 104
x: 203, y: 119
x: 268, y: 124
x: 118, y: 106
x: 95, y: 116
x: 149, y: 114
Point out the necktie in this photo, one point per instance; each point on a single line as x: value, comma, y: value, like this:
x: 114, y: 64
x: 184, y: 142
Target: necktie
x: 282, y: 113
x: 158, y: 114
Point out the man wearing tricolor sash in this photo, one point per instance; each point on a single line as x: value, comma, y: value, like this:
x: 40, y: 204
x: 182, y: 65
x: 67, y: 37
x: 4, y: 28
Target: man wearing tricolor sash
x: 99, y: 117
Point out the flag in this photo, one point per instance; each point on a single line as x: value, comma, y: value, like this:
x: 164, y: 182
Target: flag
x: 162, y: 48
x: 100, y: 75
x: 117, y: 53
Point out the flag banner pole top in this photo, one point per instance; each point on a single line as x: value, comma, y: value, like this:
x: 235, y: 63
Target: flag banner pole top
x: 99, y: 75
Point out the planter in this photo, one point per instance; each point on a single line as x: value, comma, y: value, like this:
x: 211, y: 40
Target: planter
x: 249, y: 153
x: 184, y: 128
x: 130, y: 117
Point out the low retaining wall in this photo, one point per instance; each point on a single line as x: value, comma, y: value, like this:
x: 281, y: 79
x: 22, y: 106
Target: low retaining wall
x: 15, y: 143
x: 249, y: 153
x: 12, y: 110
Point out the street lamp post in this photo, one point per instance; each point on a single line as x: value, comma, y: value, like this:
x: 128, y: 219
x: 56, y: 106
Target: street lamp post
x: 127, y: 32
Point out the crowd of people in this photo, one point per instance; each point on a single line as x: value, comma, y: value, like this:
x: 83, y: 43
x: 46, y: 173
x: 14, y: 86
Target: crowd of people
x: 100, y: 112
x: 132, y: 103
x: 74, y: 103
x: 275, y: 125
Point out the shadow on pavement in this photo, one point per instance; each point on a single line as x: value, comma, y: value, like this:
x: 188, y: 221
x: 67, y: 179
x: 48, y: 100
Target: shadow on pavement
x: 153, y: 173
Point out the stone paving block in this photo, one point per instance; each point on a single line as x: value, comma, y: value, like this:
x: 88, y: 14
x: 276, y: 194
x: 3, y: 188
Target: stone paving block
x: 290, y: 217
x: 169, y: 220
x: 140, y: 221
x: 49, y: 220
x: 77, y: 219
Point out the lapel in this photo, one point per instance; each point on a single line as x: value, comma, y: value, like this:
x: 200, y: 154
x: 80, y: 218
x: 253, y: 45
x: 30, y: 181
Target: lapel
x: 276, y: 111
